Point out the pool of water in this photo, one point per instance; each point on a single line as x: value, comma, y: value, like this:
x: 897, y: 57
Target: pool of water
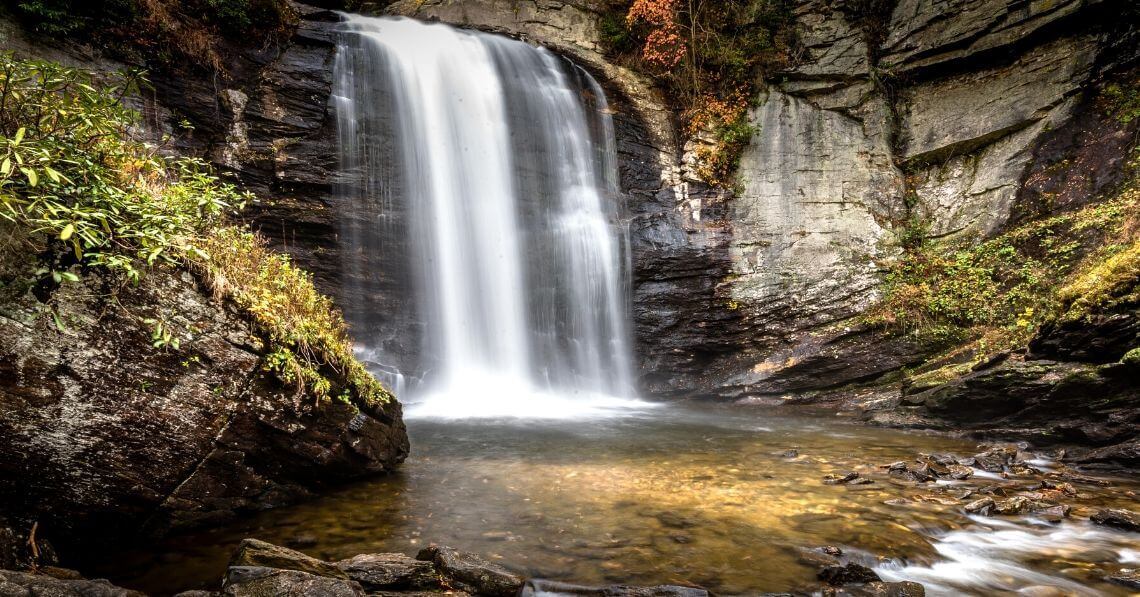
x: 709, y: 496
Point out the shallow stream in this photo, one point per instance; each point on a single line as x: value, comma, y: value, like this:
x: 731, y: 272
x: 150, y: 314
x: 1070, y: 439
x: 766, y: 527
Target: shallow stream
x: 710, y: 496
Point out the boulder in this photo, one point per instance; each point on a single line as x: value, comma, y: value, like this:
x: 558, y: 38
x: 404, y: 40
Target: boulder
x: 471, y: 572
x: 104, y: 432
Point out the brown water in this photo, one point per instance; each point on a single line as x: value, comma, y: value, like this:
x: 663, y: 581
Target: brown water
x: 673, y: 495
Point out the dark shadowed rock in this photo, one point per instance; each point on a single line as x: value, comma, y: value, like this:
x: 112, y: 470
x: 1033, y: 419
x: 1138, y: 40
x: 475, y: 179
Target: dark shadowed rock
x: 102, y: 432
x: 1128, y: 577
x: 1121, y: 519
x: 389, y: 571
x: 537, y: 587
x: 471, y: 572
x: 849, y: 574
x: 1098, y: 338
x: 883, y: 589
x: 257, y: 581
x: 24, y: 584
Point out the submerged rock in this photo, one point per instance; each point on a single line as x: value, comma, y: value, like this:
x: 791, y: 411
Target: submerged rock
x: 851, y: 478
x: 881, y: 589
x: 1127, y: 577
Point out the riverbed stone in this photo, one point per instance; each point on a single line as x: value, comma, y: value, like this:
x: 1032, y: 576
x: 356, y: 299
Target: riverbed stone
x: 389, y: 571
x: 848, y: 574
x: 1118, y: 518
x: 260, y: 581
x: 26, y: 584
x: 1127, y: 577
x: 883, y: 589
x: 471, y: 572
x: 538, y: 587
x: 257, y: 553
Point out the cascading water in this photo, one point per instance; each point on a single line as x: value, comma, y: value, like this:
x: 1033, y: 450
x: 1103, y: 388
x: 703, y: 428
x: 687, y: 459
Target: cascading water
x: 494, y: 160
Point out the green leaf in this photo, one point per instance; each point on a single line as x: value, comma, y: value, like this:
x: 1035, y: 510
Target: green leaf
x: 6, y: 166
x: 33, y: 178
x: 52, y: 174
x: 67, y: 232
x: 56, y: 277
x: 19, y: 136
x: 70, y: 277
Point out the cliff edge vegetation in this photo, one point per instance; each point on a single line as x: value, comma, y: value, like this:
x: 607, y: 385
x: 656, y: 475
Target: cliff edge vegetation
x: 79, y: 192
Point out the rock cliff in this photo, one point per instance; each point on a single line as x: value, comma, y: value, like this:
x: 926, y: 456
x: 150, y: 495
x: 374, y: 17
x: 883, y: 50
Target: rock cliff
x: 105, y: 435
x: 952, y: 114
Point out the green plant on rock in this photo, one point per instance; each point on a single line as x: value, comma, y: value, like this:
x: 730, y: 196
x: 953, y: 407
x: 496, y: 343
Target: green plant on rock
x: 1122, y: 100
x: 175, y: 32
x: 83, y: 193
x: 997, y: 293
x: 309, y: 345
x: 70, y: 173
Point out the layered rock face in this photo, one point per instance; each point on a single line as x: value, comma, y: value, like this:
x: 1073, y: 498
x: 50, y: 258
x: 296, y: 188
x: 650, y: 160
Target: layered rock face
x: 916, y: 111
x: 945, y: 113
x: 930, y: 112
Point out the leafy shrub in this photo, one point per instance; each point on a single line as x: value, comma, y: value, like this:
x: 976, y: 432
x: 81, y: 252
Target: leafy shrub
x: 78, y: 187
x: 69, y: 172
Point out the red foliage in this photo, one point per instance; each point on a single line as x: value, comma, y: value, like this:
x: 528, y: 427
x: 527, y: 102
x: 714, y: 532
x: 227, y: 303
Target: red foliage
x: 664, y: 47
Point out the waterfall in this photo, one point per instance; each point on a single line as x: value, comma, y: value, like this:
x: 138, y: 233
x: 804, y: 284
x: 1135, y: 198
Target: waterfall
x: 485, y: 169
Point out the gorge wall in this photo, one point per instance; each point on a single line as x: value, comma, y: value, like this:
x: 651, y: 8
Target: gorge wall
x: 964, y: 116
x: 955, y: 114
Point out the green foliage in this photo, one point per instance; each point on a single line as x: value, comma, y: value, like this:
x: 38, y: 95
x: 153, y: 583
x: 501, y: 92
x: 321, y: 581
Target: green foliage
x: 1122, y: 100
x: 1115, y: 281
x: 309, y: 345
x: 1003, y: 289
x: 69, y: 173
x: 73, y: 183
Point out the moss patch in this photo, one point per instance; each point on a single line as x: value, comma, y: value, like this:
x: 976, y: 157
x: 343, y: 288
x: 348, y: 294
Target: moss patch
x: 308, y: 346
